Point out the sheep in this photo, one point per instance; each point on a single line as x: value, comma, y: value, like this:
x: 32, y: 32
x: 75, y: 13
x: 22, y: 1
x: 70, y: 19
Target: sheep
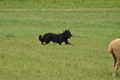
x: 114, y: 49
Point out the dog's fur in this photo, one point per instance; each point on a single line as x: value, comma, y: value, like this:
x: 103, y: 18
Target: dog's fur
x: 57, y: 38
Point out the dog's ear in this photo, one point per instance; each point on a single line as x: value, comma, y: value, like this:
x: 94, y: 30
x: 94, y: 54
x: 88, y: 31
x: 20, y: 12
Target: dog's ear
x: 65, y: 30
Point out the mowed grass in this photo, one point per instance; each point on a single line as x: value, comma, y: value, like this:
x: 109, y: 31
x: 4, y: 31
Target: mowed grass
x: 58, y: 4
x: 23, y: 57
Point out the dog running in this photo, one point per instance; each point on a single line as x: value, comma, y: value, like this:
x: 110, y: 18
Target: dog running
x: 56, y: 38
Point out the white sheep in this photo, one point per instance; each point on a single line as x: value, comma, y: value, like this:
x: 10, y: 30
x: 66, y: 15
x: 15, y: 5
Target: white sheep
x: 114, y: 49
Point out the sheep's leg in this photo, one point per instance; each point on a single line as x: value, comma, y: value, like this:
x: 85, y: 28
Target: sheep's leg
x: 115, y: 60
x: 116, y: 68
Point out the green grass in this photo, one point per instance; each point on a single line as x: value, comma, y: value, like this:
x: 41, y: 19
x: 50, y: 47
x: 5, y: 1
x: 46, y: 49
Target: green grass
x: 23, y: 57
x: 58, y: 4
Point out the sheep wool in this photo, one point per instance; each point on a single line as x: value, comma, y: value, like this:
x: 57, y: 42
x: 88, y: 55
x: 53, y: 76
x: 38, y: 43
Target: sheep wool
x: 114, y: 49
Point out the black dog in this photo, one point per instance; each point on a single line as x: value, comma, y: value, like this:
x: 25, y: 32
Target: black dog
x: 57, y: 38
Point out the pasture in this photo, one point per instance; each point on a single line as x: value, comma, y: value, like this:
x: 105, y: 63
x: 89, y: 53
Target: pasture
x: 23, y: 57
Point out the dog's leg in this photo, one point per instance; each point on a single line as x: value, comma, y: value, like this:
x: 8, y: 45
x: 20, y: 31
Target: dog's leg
x: 47, y: 42
x: 66, y: 42
x: 59, y: 43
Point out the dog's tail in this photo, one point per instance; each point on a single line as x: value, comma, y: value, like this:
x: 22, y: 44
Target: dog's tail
x: 40, y: 37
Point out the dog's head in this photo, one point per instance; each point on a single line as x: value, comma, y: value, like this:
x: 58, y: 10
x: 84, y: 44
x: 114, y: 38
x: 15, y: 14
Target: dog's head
x: 67, y: 34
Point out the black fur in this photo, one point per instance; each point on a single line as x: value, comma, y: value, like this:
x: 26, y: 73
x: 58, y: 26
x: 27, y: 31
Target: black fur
x: 57, y: 38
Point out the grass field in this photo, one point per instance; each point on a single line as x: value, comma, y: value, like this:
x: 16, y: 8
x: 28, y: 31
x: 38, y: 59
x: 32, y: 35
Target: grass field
x: 23, y: 57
